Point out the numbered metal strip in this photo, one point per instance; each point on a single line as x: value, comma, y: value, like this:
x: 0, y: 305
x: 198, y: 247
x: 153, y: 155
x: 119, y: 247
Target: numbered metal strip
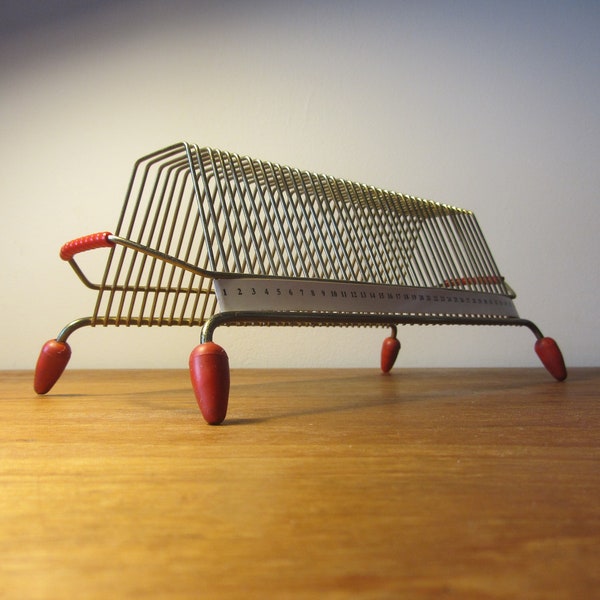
x: 264, y: 294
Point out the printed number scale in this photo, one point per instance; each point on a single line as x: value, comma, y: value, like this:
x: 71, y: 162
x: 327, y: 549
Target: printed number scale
x: 244, y: 294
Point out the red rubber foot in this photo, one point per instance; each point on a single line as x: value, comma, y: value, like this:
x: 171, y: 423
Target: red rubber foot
x: 389, y: 353
x: 209, y: 371
x: 551, y: 356
x: 51, y: 363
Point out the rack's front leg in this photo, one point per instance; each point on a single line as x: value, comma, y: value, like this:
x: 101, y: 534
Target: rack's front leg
x: 54, y: 356
x: 209, y: 370
x: 50, y: 365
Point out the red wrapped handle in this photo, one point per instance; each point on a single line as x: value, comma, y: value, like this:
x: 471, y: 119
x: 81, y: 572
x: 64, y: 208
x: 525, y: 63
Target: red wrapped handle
x: 87, y: 242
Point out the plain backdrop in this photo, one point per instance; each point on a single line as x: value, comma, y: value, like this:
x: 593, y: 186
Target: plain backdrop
x: 491, y: 106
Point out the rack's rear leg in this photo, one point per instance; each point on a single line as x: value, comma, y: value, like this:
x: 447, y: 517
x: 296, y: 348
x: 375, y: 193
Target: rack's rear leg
x: 209, y: 371
x: 389, y: 350
x: 551, y: 356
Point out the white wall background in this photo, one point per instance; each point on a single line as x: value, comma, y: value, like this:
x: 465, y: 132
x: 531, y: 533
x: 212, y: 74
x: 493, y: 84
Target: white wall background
x: 492, y: 106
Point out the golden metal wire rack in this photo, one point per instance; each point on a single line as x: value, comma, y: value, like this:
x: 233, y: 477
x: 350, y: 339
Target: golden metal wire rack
x: 209, y: 238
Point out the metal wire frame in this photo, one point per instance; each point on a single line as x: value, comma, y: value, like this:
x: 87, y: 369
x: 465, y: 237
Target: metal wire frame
x: 193, y: 213
x: 254, y: 318
x: 305, y: 319
x: 282, y: 222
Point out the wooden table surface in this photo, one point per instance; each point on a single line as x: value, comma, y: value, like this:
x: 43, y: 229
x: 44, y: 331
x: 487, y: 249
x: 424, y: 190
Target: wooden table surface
x: 321, y: 484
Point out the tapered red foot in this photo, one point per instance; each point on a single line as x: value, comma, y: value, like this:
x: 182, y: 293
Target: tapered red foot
x: 51, y: 363
x: 551, y: 356
x: 209, y: 371
x: 389, y: 353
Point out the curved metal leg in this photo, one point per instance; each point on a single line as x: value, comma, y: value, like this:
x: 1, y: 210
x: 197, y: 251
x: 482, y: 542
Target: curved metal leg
x: 549, y: 353
x: 54, y: 357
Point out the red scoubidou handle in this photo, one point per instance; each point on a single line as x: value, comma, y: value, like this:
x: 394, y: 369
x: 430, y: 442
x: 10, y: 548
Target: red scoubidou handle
x: 87, y: 242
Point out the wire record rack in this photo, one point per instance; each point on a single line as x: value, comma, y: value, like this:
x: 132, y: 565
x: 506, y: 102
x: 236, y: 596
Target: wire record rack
x: 208, y: 238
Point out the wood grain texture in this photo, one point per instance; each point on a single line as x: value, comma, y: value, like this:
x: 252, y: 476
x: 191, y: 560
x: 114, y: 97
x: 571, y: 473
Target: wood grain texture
x: 321, y: 484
